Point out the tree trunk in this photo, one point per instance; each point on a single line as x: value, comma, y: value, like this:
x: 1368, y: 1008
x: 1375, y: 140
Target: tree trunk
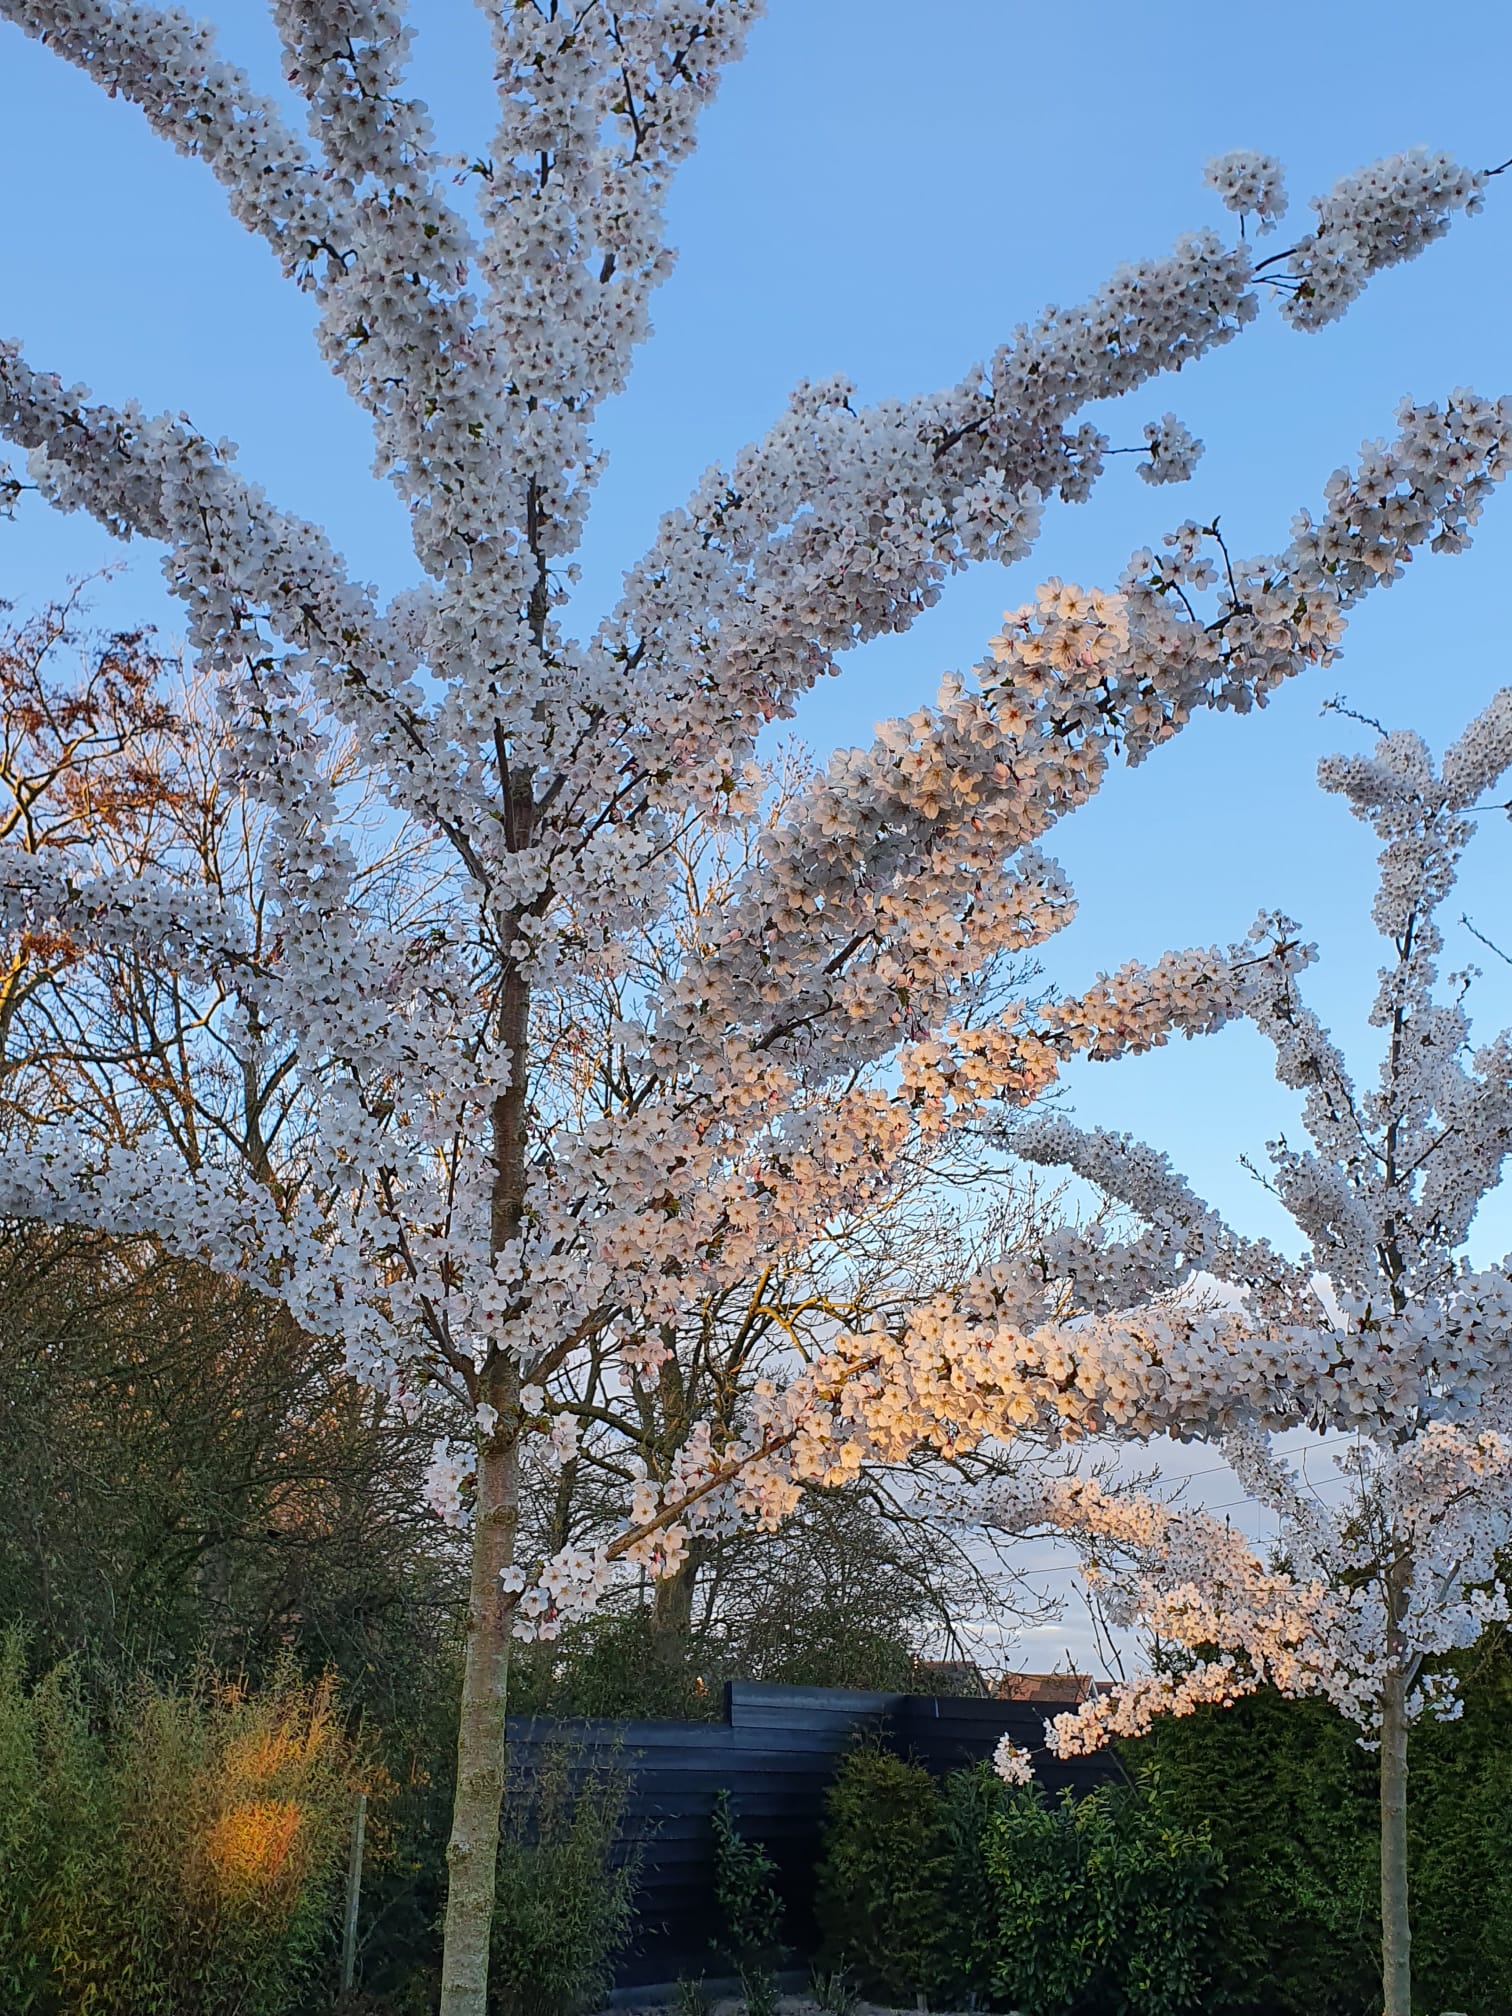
x: 672, y: 1615
x: 472, y: 1853
x: 1396, y: 1925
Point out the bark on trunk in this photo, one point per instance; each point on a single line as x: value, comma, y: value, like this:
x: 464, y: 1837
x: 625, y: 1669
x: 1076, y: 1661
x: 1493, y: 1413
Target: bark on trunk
x: 672, y: 1615
x: 1396, y: 1926
x: 472, y: 1852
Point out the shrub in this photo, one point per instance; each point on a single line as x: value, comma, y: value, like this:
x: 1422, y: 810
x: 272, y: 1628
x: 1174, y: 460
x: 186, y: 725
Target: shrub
x: 1288, y: 1798
x: 566, y: 1889
x: 54, y: 1823
x: 1459, y: 1820
x: 1097, y: 1907
x: 970, y: 1801
x: 750, y: 1908
x: 254, y: 1792
x: 882, y: 1883
x: 188, y: 1860
x: 1100, y: 1905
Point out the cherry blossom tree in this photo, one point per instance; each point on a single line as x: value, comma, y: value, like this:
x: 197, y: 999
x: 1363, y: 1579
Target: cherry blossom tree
x: 456, y: 1227
x: 1382, y: 1327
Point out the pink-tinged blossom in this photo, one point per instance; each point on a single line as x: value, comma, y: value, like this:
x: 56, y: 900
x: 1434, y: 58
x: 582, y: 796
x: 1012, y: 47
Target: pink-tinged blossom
x: 1384, y: 214
x: 1012, y: 1762
x: 1172, y: 451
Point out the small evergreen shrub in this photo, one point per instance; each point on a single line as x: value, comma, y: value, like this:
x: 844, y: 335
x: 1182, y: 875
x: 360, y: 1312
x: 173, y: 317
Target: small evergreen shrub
x: 834, y: 1992
x: 566, y: 1888
x: 690, y: 1997
x: 881, y: 1889
x: 750, y: 1908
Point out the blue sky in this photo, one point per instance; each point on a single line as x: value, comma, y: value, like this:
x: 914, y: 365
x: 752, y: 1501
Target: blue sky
x: 889, y: 189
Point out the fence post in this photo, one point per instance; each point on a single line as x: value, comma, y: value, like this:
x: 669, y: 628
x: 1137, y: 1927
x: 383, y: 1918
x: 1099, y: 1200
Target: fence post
x: 353, y: 1897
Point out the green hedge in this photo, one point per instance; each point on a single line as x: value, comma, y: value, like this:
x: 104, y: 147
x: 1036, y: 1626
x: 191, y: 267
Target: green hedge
x: 882, y: 1895
x: 1289, y: 1797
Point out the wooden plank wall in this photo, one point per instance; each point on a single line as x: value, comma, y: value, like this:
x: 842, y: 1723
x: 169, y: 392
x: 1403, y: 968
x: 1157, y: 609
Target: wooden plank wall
x: 775, y: 1753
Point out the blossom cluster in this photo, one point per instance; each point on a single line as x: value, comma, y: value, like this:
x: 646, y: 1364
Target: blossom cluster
x: 1173, y: 451
x: 1012, y: 1762
x: 1133, y: 665
x: 1386, y: 213
x: 1250, y: 184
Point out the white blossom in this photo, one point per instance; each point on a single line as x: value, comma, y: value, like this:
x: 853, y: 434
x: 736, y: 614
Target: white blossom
x: 1173, y: 451
x: 1012, y: 1763
x: 1386, y: 213
x: 1250, y: 184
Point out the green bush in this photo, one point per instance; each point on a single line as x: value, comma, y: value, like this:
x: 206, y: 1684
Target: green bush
x: 750, y: 1908
x: 1459, y: 1823
x: 970, y: 1800
x: 1102, y: 1905
x: 1096, y: 1907
x: 881, y: 1887
x: 54, y: 1827
x: 565, y: 1898
x: 1288, y: 1798
x: 185, y: 1862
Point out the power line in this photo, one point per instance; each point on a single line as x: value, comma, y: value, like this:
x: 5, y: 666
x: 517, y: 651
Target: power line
x: 1303, y: 1449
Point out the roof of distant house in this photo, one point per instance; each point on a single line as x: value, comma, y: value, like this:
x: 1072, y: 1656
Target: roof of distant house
x: 1058, y: 1689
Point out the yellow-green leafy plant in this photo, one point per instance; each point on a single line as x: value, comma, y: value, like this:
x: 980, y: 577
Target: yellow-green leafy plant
x: 182, y: 1853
